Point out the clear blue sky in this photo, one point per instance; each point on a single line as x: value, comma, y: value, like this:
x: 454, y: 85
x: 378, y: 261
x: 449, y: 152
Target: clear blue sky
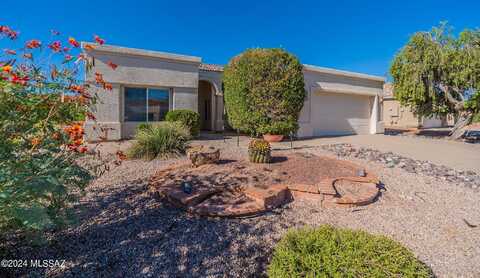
x: 359, y: 36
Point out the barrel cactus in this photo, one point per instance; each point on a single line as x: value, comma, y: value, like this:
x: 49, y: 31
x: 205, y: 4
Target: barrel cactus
x: 259, y: 151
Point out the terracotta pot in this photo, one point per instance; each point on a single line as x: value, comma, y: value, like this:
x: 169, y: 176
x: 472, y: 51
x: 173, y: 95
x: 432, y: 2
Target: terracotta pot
x: 272, y: 138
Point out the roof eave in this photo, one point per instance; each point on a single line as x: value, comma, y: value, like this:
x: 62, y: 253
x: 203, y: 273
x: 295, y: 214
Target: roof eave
x: 343, y: 73
x: 126, y: 51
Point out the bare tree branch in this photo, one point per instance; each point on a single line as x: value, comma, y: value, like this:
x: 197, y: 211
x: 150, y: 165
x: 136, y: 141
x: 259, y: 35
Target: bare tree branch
x: 448, y: 94
x: 459, y: 93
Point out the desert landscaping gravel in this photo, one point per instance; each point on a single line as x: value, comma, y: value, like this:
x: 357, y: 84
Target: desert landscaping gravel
x: 124, y: 232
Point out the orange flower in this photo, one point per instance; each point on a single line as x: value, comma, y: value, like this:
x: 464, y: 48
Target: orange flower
x: 76, y: 128
x: 33, y: 44
x: 107, y: 86
x: 19, y: 80
x: 55, y: 46
x: 99, y: 78
x: 77, y: 88
x: 73, y: 42
x: 121, y: 155
x: 10, y: 51
x: 36, y: 141
x: 89, y: 47
x: 99, y: 40
x: 112, y: 65
x: 7, y: 68
x: 8, y: 32
x: 78, y: 142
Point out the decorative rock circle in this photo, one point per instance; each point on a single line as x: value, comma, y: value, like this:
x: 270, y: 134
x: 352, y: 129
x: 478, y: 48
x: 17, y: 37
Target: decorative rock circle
x: 238, y: 188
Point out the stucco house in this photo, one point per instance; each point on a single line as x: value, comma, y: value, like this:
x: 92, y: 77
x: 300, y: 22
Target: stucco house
x: 397, y: 116
x: 146, y: 84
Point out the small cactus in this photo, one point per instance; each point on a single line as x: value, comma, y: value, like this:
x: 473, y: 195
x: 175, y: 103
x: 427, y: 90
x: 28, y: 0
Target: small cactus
x: 259, y: 151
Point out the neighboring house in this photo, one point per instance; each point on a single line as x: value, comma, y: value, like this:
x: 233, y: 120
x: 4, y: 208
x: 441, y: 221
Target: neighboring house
x: 397, y: 116
x: 146, y: 84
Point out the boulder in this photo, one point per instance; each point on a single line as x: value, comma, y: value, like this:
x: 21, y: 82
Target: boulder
x: 200, y: 155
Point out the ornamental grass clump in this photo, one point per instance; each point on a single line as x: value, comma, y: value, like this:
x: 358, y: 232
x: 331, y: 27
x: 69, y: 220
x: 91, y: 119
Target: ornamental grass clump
x: 160, y: 140
x: 327, y: 251
x: 259, y: 151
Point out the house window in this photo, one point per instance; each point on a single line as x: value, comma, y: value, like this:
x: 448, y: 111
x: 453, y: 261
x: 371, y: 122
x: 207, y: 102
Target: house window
x: 146, y: 104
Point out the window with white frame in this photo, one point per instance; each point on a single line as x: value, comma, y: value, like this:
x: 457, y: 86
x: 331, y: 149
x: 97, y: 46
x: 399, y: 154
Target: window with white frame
x: 146, y: 104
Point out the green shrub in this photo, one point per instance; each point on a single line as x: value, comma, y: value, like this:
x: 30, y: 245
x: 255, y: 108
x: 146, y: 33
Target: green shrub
x: 160, y: 140
x: 331, y: 252
x: 278, y: 128
x: 189, y: 118
x: 262, y: 88
x: 143, y: 126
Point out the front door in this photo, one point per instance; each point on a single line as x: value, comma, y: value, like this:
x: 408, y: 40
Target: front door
x: 205, y: 105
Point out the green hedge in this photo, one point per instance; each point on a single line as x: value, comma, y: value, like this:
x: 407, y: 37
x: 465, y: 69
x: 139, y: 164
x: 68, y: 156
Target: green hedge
x: 332, y: 252
x: 262, y: 88
x: 189, y: 118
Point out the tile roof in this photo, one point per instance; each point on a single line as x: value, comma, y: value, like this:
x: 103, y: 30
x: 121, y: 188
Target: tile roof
x: 211, y: 67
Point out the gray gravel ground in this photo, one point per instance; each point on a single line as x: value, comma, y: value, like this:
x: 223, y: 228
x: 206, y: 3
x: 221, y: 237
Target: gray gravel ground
x: 124, y: 232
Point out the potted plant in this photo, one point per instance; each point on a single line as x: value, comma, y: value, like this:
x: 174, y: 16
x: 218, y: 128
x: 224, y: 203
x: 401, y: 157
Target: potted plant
x: 259, y: 151
x: 274, y: 132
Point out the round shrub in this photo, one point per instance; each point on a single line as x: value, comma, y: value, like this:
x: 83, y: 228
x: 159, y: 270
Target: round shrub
x: 332, y: 252
x: 263, y: 87
x: 160, y: 140
x: 278, y: 128
x: 189, y: 118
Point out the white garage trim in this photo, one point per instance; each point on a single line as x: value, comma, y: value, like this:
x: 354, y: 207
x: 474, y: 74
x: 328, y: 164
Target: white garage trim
x: 342, y: 73
x: 374, y: 127
x: 346, y: 89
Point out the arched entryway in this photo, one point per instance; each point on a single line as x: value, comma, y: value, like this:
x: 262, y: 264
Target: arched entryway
x: 206, y: 104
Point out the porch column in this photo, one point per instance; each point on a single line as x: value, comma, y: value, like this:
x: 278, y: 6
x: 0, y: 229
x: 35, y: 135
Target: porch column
x: 374, y: 117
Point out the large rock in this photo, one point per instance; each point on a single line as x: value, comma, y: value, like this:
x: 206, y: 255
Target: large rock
x: 271, y: 197
x: 200, y: 155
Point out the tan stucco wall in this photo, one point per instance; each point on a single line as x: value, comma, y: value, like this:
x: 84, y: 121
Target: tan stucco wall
x: 178, y: 76
x: 396, y: 115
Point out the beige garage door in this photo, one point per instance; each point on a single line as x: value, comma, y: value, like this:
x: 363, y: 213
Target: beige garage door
x: 339, y: 114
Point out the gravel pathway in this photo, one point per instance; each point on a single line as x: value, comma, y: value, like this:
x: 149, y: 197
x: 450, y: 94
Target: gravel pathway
x: 124, y: 232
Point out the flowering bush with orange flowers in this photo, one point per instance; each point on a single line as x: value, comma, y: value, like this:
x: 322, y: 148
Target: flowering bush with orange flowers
x: 43, y: 102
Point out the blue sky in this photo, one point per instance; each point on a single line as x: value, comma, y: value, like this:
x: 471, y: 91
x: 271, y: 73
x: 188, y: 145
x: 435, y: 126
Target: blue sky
x: 359, y: 36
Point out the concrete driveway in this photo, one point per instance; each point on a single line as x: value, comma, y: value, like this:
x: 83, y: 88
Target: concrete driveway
x: 457, y: 155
